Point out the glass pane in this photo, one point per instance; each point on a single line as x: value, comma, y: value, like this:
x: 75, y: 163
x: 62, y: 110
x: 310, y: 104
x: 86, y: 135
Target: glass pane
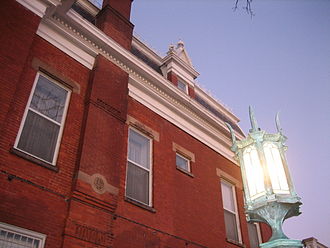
x: 139, y: 149
x: 275, y: 167
x: 253, y: 170
x: 137, y: 184
x: 227, y: 197
x: 49, y: 99
x: 231, y: 226
x: 182, y: 86
x: 253, y: 235
x: 182, y: 162
x: 39, y: 136
x: 97, y: 3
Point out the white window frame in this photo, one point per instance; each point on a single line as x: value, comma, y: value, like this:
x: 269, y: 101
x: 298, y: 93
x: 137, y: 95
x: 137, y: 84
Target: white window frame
x: 24, y: 232
x: 185, y: 90
x: 27, y: 108
x: 146, y: 169
x: 183, y: 157
x: 238, y: 226
x: 258, y: 232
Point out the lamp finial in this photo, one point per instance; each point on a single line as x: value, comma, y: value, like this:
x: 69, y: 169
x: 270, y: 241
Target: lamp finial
x: 253, y: 121
x: 233, y: 138
x: 277, y: 122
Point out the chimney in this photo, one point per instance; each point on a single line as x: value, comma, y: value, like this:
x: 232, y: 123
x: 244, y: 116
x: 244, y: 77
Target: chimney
x: 114, y: 21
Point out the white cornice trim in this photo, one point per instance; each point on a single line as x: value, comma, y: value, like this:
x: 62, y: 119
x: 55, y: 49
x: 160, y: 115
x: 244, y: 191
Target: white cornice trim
x: 47, y: 31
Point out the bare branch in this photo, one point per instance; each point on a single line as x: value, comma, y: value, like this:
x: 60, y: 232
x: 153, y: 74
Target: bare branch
x: 247, y: 7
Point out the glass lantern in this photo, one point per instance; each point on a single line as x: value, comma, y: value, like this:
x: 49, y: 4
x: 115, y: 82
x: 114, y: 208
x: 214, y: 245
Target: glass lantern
x: 268, y: 189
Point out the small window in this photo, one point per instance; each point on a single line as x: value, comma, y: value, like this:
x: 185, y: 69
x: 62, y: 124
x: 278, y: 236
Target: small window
x: 230, y: 212
x: 43, y: 121
x: 138, y: 180
x: 182, y: 162
x: 16, y: 237
x: 182, y: 86
x: 254, y: 235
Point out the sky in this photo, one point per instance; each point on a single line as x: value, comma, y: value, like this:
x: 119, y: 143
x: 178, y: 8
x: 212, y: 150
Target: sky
x: 278, y: 60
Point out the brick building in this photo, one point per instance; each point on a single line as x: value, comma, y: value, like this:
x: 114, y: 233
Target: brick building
x: 104, y: 143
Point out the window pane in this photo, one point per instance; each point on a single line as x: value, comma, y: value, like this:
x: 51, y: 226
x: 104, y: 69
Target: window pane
x: 182, y: 163
x: 97, y: 3
x: 254, y: 172
x: 137, y: 185
x: 49, y: 99
x: 275, y: 167
x: 231, y: 226
x: 39, y: 136
x: 182, y: 86
x: 253, y: 235
x: 227, y: 197
x: 139, y: 149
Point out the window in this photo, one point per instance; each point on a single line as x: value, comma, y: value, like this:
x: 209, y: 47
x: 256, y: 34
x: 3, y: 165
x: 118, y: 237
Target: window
x: 254, y: 235
x: 43, y: 121
x: 230, y: 212
x: 182, y: 86
x: 182, y: 162
x: 16, y: 237
x: 138, y: 181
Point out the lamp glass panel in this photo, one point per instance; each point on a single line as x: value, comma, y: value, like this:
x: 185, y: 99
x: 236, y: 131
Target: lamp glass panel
x: 253, y: 171
x: 275, y: 168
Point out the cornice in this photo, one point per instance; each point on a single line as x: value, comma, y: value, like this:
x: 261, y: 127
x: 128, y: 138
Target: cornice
x: 169, y: 101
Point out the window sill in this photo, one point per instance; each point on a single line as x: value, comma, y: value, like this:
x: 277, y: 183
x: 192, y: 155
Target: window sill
x: 236, y: 243
x: 33, y: 159
x: 185, y: 172
x: 141, y: 205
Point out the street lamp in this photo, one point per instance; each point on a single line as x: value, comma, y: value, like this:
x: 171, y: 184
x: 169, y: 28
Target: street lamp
x: 268, y: 188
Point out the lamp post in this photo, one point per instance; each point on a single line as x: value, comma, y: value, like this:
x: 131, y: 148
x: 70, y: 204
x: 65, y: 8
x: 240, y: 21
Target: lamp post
x: 268, y: 188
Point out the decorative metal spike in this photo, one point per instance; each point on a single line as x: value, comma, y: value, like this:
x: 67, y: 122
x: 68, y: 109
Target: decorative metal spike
x: 253, y: 121
x: 233, y: 137
x: 277, y: 122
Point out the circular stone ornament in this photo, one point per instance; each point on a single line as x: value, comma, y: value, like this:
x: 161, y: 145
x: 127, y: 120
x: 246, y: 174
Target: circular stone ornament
x: 98, y: 183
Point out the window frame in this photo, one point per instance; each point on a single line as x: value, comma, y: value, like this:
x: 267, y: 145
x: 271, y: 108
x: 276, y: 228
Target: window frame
x: 238, y: 227
x: 185, y: 158
x: 149, y: 204
x: 62, y: 124
x: 24, y: 232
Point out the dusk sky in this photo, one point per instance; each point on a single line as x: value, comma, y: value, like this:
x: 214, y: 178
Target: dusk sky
x: 279, y: 60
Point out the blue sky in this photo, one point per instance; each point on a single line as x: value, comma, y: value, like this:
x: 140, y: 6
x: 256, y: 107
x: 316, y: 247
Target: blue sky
x: 277, y: 61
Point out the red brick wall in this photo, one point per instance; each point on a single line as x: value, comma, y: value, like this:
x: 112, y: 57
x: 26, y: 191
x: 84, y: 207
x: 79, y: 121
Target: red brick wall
x: 172, y: 78
x: 32, y: 196
x: 114, y: 22
x: 17, y: 34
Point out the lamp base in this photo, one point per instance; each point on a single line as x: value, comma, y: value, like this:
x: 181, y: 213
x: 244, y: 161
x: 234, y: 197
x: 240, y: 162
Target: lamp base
x: 282, y: 243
